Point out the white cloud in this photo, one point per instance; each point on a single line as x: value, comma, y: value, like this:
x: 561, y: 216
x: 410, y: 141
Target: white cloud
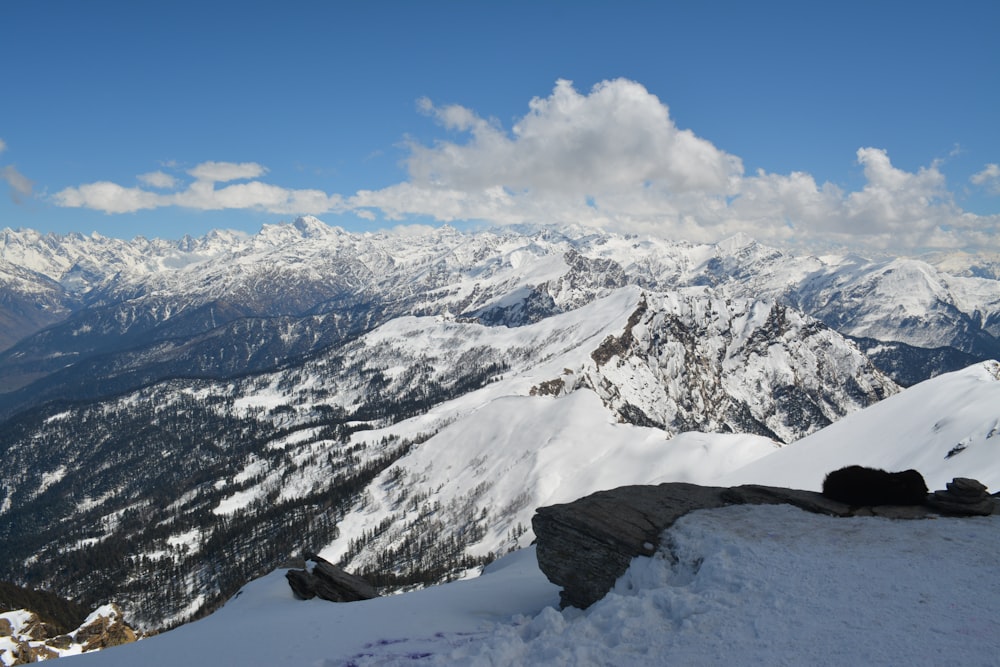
x: 571, y: 144
x: 109, y: 198
x: 201, y: 193
x: 158, y: 179
x: 988, y: 178
x: 227, y: 171
x: 614, y: 158
x: 256, y: 195
x: 20, y: 185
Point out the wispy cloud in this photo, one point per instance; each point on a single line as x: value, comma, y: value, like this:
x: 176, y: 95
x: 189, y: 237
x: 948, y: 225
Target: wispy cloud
x: 227, y: 171
x: 988, y: 178
x: 158, y: 179
x: 20, y: 185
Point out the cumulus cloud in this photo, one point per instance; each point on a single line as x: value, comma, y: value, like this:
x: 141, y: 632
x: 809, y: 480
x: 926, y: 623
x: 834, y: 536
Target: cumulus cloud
x: 108, y: 197
x: 988, y: 178
x: 609, y: 157
x: 575, y: 145
x: 201, y: 193
x: 613, y: 157
x: 255, y: 195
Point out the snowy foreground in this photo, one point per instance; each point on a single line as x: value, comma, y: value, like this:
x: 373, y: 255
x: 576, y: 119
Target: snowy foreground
x: 751, y: 585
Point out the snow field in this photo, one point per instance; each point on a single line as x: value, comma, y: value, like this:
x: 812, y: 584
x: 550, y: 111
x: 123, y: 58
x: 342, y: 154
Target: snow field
x: 956, y: 413
x: 737, y: 585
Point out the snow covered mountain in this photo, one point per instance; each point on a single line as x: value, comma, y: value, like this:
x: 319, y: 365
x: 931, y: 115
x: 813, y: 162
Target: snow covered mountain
x: 725, y: 588
x: 90, y: 316
x: 946, y: 427
x: 179, y: 417
x: 419, y: 449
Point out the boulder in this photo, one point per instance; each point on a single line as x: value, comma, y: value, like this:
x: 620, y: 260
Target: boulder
x: 329, y: 582
x: 585, y: 545
x: 104, y: 628
x: 963, y: 497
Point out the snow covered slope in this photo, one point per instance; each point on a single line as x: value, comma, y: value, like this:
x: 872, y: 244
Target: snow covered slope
x: 861, y: 591
x: 477, y: 483
x: 193, y: 411
x: 945, y: 427
x: 413, y: 452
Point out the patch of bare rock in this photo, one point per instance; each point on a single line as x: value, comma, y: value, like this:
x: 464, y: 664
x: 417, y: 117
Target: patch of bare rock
x: 30, y: 640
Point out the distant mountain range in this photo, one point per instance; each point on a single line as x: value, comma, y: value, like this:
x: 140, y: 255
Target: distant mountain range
x: 179, y: 416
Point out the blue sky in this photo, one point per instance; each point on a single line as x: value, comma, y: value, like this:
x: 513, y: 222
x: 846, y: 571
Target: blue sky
x: 871, y: 125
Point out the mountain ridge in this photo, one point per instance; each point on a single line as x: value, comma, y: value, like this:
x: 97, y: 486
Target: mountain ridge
x: 400, y: 404
x: 339, y: 445
x: 110, y: 303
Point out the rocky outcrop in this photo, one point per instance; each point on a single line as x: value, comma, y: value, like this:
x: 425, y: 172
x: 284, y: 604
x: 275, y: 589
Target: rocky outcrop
x: 103, y: 629
x: 25, y: 652
x: 585, y: 545
x: 30, y: 640
x: 963, y: 497
x: 329, y: 582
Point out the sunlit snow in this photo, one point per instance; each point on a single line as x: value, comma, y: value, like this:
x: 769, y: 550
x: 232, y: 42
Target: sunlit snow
x: 946, y: 427
x: 750, y: 585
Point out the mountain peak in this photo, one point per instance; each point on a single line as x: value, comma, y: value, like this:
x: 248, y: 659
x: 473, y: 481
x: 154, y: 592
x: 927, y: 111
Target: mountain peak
x: 311, y: 226
x: 736, y: 242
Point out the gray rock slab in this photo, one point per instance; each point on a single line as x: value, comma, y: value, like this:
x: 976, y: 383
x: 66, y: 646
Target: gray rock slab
x: 585, y: 545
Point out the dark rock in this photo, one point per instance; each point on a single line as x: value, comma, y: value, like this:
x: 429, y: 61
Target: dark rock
x: 983, y: 508
x: 61, y: 642
x: 584, y: 546
x: 329, y: 582
x: 966, y: 487
x: 963, y: 497
x: 858, y: 485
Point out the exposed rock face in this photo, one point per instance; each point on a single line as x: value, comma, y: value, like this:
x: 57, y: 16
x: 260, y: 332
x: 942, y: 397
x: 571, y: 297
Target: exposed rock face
x: 30, y: 640
x: 25, y: 652
x: 329, y: 582
x: 696, y: 361
x: 584, y: 546
x: 104, y: 630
